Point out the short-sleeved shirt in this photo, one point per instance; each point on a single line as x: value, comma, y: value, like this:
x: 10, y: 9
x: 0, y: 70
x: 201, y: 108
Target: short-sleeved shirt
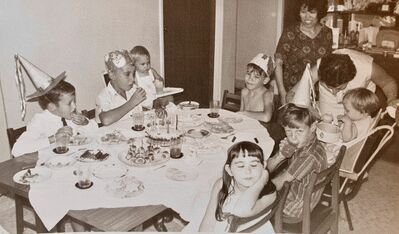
x: 297, y: 49
x: 109, y: 99
x: 304, y: 161
x: 147, y: 83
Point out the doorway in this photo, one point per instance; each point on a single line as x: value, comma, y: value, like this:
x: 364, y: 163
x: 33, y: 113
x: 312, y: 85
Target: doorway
x: 189, y: 29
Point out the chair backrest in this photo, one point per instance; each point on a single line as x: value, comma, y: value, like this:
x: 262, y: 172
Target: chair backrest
x: 106, y: 78
x: 362, y: 151
x: 231, y: 101
x: 266, y: 214
x: 13, y: 134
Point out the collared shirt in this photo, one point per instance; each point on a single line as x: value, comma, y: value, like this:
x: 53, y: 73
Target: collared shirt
x: 109, y: 99
x: 332, y: 104
x: 302, y: 162
x: 40, y: 128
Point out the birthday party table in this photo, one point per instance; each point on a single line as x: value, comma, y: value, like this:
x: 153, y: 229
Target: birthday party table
x: 171, y: 183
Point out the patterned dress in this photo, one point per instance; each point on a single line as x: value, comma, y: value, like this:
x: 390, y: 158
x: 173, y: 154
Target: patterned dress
x: 297, y: 49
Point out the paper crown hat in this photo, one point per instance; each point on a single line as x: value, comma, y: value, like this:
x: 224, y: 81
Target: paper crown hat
x: 42, y: 82
x: 265, y: 62
x: 304, y: 95
x: 117, y: 59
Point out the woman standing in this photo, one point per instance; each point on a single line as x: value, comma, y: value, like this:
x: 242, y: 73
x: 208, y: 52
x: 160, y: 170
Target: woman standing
x: 302, y: 43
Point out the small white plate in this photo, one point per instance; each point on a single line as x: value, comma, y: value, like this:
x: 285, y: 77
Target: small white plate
x: 79, y: 140
x: 32, y: 176
x: 110, y: 171
x: 169, y: 91
x: 113, y: 138
x: 90, y: 156
x: 231, y: 119
x: 180, y: 174
x: 60, y: 161
x: 125, y: 187
x: 197, y: 133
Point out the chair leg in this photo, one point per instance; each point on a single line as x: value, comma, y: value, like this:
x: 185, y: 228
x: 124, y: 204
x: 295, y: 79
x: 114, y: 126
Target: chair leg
x: 19, y: 212
x: 348, y: 214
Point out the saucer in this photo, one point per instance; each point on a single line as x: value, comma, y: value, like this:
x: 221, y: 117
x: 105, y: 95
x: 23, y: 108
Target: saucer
x: 213, y: 115
x: 62, y: 152
x: 138, y: 129
x: 179, y: 156
x: 78, y: 186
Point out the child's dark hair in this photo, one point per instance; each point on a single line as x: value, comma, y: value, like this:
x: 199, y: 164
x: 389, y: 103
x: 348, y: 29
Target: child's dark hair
x: 363, y: 100
x: 53, y: 96
x: 139, y: 50
x: 290, y: 115
x: 336, y: 70
x: 244, y: 146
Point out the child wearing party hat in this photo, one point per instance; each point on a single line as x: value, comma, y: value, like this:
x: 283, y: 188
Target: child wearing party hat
x: 59, y: 118
x: 256, y: 99
x: 121, y: 97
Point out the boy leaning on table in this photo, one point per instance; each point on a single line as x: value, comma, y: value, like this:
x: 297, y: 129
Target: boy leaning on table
x: 121, y: 97
x: 59, y: 118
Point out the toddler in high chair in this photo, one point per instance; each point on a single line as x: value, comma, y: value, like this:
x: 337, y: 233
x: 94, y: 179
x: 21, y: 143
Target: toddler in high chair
x: 244, y: 189
x: 256, y: 98
x: 359, y: 105
x: 148, y: 78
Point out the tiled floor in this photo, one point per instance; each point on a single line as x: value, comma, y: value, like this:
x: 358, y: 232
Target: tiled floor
x: 375, y: 209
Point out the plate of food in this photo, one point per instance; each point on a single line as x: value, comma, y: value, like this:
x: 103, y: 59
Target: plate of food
x: 59, y: 161
x: 197, y: 133
x: 138, y: 157
x: 113, y: 138
x: 181, y: 174
x: 32, y: 176
x: 219, y: 127
x: 125, y: 187
x: 79, y: 139
x: 169, y: 91
x: 93, y: 155
x: 188, y: 105
x: 232, y: 119
x: 110, y: 171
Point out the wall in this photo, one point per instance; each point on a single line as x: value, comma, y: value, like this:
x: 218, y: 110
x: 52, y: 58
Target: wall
x: 71, y: 36
x: 256, y: 31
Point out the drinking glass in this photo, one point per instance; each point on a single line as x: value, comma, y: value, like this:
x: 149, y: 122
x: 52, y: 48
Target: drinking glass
x: 138, y: 120
x: 214, y: 107
x: 175, y: 148
x: 84, y: 177
x: 61, y: 144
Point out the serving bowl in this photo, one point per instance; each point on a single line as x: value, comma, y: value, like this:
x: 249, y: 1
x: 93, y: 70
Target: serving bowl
x: 327, y: 132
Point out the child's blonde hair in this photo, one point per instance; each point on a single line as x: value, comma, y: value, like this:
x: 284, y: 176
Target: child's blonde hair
x: 363, y: 100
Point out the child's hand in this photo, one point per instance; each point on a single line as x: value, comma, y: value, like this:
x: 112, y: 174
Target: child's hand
x: 158, y: 85
x: 327, y: 118
x: 79, y: 119
x: 345, y: 119
x: 285, y: 148
x: 64, y: 132
x: 138, y: 96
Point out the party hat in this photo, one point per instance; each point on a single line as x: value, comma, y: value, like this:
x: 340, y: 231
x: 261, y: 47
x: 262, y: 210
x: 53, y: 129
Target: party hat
x: 304, y: 95
x: 265, y: 62
x: 40, y: 80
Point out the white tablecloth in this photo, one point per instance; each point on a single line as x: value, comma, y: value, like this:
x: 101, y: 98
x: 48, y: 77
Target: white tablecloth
x: 53, y: 198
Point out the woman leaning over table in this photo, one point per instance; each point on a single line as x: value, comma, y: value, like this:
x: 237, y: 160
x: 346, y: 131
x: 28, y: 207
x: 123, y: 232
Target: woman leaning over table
x: 301, y: 43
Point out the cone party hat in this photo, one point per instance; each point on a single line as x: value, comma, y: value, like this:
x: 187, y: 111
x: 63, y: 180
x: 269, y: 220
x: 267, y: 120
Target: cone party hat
x: 40, y: 80
x: 304, y: 95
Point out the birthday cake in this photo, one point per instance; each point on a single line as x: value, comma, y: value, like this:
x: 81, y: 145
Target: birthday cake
x: 161, y: 133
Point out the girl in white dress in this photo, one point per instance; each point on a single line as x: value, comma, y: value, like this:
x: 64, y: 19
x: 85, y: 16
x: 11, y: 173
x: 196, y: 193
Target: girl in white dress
x: 244, y: 190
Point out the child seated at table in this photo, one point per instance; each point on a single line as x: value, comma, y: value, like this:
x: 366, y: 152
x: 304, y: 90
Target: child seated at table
x: 121, y: 97
x: 148, y: 78
x: 359, y: 104
x: 256, y: 98
x: 244, y: 190
x: 305, y: 155
x: 59, y: 118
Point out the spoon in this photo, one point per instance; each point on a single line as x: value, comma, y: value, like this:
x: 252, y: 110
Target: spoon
x: 227, y: 136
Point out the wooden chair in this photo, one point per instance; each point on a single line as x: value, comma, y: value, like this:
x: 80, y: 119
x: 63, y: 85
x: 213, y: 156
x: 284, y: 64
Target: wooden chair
x: 231, y: 102
x: 321, y: 218
x: 13, y: 134
x: 267, y: 213
x: 358, y: 159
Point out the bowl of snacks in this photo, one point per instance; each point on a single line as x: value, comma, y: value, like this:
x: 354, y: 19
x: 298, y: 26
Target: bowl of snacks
x: 327, y: 132
x: 188, y: 105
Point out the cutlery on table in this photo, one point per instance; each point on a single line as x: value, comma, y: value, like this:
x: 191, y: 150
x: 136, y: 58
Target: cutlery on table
x: 227, y: 136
